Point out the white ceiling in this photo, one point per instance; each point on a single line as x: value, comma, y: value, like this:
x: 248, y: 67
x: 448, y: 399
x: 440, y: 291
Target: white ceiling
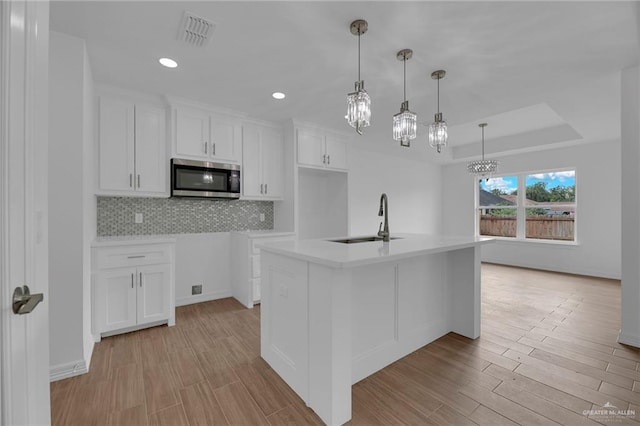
x: 535, y: 71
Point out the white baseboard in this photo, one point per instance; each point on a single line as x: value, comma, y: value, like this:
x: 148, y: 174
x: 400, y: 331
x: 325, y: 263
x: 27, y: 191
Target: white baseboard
x: 64, y: 371
x: 203, y: 297
x: 575, y: 271
x: 629, y: 339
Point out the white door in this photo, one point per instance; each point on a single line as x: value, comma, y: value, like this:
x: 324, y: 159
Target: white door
x: 336, y: 153
x: 252, y: 184
x: 115, y: 299
x: 116, y: 142
x: 224, y: 138
x: 24, y: 339
x: 153, y: 293
x: 151, y: 162
x: 192, y: 132
x: 311, y: 148
x: 273, y: 162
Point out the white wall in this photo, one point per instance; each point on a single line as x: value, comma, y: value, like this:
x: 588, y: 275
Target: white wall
x: 598, y: 215
x: 630, y: 333
x: 70, y: 223
x: 412, y: 187
x: 202, y: 259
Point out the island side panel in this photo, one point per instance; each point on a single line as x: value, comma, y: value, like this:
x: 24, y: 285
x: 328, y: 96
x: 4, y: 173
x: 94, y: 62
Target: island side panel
x: 464, y: 279
x: 330, y: 337
x: 284, y: 342
x: 398, y: 307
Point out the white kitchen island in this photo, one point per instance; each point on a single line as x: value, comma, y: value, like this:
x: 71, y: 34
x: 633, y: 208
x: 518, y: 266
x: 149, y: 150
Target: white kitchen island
x: 334, y: 313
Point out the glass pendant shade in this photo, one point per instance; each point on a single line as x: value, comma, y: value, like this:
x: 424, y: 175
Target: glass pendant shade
x: 438, y: 133
x: 358, y: 108
x: 358, y: 102
x: 483, y: 169
x: 405, y: 125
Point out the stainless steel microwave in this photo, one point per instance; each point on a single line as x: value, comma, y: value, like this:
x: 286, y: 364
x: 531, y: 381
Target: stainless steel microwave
x: 204, y: 179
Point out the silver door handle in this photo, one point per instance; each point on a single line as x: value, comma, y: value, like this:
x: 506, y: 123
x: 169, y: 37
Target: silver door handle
x: 266, y: 188
x: 130, y: 180
x: 138, y: 181
x: 328, y: 161
x: 23, y: 301
x: 140, y: 279
x: 324, y: 158
x: 214, y: 149
x: 132, y: 280
x: 262, y: 188
x: 206, y: 144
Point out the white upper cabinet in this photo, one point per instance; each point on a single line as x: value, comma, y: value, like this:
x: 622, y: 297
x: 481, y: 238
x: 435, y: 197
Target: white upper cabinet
x: 131, y: 148
x: 319, y: 149
x: 262, y: 162
x: 204, y: 135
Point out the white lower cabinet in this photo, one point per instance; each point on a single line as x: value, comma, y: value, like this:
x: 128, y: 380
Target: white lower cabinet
x: 245, y: 262
x: 133, y: 287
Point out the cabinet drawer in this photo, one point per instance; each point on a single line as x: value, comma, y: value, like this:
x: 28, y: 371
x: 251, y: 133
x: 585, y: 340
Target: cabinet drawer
x: 255, y: 266
x: 118, y: 257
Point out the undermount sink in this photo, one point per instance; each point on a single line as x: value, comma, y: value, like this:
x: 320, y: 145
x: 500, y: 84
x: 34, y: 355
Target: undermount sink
x: 361, y: 240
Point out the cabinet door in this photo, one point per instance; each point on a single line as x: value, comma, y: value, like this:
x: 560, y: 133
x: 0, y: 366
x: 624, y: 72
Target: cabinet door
x: 336, y: 153
x: 151, y: 161
x: 115, y: 299
x: 272, y: 162
x: 252, y: 184
x: 116, y: 144
x: 224, y: 137
x: 310, y: 148
x: 192, y: 132
x: 153, y: 293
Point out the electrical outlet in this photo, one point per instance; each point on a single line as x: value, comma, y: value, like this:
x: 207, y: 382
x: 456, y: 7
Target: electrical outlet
x: 139, y: 218
x: 196, y: 289
x: 261, y: 217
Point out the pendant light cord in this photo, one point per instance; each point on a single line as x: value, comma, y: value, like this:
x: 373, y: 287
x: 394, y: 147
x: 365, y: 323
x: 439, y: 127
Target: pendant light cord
x: 404, y: 61
x: 438, y: 95
x: 482, y: 143
x: 358, y: 54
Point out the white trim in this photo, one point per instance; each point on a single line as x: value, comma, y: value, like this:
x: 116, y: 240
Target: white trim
x: 629, y: 339
x: 70, y: 369
x: 514, y: 240
x: 221, y: 294
x: 556, y: 268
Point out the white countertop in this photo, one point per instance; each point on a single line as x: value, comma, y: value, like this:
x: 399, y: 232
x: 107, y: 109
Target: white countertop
x: 122, y: 240
x: 340, y: 255
x: 264, y: 233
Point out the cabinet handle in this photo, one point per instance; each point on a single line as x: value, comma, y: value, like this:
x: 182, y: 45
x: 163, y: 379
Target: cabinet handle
x: 138, y: 181
x: 206, y: 144
x: 140, y: 279
x: 130, y: 180
x: 262, y: 188
x: 131, y: 280
x: 328, y: 161
x: 214, y: 149
x: 136, y: 257
x: 324, y: 158
x: 266, y: 188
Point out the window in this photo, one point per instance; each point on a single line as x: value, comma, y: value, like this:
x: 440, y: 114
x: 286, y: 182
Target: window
x: 534, y: 206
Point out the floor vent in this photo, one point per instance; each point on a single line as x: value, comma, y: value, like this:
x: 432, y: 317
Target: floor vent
x: 195, y: 30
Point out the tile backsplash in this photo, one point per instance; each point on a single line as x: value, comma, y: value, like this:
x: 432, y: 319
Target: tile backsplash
x: 116, y: 215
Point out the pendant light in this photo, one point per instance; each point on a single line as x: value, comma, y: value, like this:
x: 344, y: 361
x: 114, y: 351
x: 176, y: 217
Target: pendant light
x: 358, y: 102
x: 405, y: 123
x: 483, y: 168
x: 438, y: 129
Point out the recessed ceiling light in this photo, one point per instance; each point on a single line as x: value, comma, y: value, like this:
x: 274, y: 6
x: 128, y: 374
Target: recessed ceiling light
x: 168, y: 62
x: 278, y: 95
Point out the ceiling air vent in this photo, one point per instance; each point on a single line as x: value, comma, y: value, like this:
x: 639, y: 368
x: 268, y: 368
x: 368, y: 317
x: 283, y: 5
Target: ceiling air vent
x: 195, y: 30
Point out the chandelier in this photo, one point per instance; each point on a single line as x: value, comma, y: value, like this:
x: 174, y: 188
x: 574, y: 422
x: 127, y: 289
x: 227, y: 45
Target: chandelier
x: 483, y: 169
x: 358, y: 102
x: 438, y: 129
x: 405, y: 122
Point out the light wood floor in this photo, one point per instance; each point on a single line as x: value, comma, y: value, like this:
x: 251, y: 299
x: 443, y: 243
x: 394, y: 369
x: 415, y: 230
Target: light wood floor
x: 547, y: 353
